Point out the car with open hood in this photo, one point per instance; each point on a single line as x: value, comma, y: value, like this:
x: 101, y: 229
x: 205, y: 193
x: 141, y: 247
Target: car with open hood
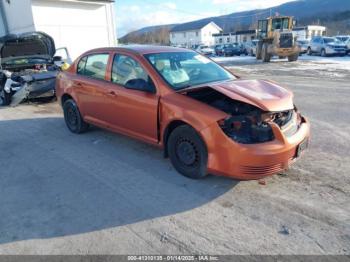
x: 28, y: 68
x: 206, y: 119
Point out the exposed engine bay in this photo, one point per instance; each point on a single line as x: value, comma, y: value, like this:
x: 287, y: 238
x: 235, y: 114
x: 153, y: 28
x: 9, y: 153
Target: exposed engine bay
x: 35, y: 82
x: 28, y: 67
x: 247, y: 124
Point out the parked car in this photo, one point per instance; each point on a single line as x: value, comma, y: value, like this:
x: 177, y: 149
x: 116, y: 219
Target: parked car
x: 251, y: 47
x: 232, y: 49
x: 343, y: 38
x: 205, y: 50
x: 204, y: 118
x: 347, y: 43
x: 28, y: 68
x: 303, y: 44
x: 326, y: 46
x: 219, y: 50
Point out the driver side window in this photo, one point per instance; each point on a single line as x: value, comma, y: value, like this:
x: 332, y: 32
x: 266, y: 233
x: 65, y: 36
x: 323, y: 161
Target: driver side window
x: 125, y: 69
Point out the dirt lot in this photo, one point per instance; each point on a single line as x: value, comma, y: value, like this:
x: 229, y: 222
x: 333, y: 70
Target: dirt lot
x: 102, y: 193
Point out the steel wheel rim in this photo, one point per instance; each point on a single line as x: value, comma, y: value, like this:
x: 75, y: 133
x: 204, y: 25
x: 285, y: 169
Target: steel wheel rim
x: 186, y: 152
x: 71, y: 116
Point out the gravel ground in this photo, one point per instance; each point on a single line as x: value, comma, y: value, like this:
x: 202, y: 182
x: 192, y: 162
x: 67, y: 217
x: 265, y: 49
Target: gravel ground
x: 103, y: 193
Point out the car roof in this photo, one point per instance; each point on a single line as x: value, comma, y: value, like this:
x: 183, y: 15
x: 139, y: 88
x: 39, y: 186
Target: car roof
x: 142, y: 49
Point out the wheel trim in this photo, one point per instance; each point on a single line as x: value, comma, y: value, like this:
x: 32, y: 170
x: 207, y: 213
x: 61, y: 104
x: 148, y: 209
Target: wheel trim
x: 186, y: 152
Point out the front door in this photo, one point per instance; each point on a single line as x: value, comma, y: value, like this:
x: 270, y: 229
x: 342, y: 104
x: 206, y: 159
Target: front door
x: 131, y: 111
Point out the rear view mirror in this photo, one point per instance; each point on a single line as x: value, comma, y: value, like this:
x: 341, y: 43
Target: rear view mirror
x: 141, y: 85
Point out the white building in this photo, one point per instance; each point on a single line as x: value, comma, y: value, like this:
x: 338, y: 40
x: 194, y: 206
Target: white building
x: 194, y: 33
x: 308, y: 32
x: 78, y: 25
x: 235, y: 37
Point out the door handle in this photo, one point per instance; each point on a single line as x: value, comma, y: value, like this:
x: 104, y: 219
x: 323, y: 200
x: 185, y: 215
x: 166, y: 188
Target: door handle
x: 111, y: 93
x: 79, y: 84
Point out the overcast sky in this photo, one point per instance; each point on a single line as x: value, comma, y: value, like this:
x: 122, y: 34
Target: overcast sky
x: 136, y: 14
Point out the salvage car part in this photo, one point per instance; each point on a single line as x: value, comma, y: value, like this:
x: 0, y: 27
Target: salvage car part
x: 28, y: 69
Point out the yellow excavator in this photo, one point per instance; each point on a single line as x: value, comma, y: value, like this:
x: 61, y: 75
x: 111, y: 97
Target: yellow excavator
x: 275, y: 35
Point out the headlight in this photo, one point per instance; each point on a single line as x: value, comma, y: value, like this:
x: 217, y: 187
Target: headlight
x: 246, y: 130
x: 331, y: 47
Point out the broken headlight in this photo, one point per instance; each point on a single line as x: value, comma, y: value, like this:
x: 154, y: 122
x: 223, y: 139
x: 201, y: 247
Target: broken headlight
x: 246, y: 130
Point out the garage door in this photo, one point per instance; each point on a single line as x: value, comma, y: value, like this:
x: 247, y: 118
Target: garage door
x: 77, y: 26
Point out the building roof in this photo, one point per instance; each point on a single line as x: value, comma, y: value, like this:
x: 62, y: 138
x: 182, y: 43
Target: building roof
x: 191, y: 26
x: 243, y: 32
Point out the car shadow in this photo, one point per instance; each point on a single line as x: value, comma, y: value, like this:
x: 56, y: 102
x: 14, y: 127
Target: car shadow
x: 54, y: 183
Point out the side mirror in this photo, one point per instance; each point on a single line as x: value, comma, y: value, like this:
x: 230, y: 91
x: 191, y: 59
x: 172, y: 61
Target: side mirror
x: 141, y: 85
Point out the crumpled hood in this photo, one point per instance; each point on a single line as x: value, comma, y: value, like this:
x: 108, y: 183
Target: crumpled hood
x: 264, y: 94
x: 32, y: 44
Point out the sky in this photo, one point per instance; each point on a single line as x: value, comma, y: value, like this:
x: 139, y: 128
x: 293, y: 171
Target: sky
x: 136, y: 14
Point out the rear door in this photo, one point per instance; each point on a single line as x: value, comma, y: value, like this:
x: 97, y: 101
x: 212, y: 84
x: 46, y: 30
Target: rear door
x: 89, y: 86
x: 131, y: 111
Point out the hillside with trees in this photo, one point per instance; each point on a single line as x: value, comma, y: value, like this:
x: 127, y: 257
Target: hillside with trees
x: 334, y: 14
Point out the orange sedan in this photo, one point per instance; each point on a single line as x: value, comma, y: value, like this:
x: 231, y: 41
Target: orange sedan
x: 205, y: 118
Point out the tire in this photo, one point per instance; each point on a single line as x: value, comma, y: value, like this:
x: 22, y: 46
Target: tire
x: 265, y: 56
x: 258, y: 51
x: 309, y: 52
x: 73, y: 118
x: 188, y: 152
x: 251, y: 53
x: 5, y: 98
x: 293, y: 58
x: 281, y: 57
x: 323, y: 53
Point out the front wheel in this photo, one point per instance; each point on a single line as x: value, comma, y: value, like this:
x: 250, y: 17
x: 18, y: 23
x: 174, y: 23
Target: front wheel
x: 293, y: 58
x: 323, y: 53
x: 5, y: 98
x: 187, y: 152
x: 73, y: 118
x: 309, y: 52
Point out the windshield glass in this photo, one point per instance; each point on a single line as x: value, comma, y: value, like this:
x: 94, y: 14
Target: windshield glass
x: 280, y: 23
x: 25, y: 61
x: 186, y: 69
x: 331, y: 40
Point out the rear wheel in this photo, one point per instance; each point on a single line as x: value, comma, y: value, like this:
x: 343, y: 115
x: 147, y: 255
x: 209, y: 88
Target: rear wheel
x: 187, y: 152
x: 293, y: 58
x: 73, y: 118
x: 266, y: 57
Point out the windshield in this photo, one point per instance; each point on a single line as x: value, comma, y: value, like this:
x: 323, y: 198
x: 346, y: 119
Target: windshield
x: 331, y: 40
x: 185, y: 69
x: 280, y: 23
x: 26, y: 61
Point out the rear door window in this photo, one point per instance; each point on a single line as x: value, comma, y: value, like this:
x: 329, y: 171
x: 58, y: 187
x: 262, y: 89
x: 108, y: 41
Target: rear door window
x: 94, y: 66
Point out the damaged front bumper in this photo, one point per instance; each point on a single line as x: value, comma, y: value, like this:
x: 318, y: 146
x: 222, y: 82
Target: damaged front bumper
x: 254, y: 161
x: 31, y: 86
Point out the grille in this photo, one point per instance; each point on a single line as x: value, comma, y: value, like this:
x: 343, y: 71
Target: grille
x: 262, y: 170
x: 286, y: 40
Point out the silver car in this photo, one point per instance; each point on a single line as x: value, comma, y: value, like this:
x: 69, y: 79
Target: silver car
x: 326, y: 46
